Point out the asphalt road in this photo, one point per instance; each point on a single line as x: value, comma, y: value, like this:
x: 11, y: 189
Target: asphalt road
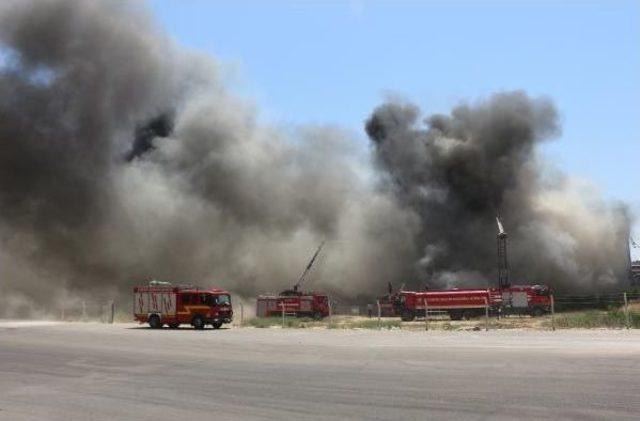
x: 122, y: 372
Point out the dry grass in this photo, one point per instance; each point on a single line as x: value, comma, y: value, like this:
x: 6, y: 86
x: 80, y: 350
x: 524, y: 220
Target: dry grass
x: 612, y: 319
x: 358, y: 322
x: 591, y: 319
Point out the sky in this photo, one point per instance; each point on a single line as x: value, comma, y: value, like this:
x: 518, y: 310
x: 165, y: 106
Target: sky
x: 332, y: 62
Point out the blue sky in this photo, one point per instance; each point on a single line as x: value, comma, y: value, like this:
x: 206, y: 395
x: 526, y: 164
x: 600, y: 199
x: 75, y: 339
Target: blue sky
x: 332, y: 62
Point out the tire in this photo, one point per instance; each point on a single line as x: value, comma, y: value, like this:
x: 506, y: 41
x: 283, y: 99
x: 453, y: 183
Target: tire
x: 317, y: 316
x: 217, y: 325
x: 455, y: 315
x: 407, y: 316
x: 154, y: 321
x: 174, y: 325
x: 468, y: 315
x: 198, y: 322
x: 537, y: 312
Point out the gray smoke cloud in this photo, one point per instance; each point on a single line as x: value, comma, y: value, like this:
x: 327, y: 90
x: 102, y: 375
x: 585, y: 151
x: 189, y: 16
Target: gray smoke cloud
x: 123, y: 157
x: 458, y: 172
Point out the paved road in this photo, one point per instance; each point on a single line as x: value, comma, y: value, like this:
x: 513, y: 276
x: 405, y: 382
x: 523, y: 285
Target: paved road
x: 97, y: 372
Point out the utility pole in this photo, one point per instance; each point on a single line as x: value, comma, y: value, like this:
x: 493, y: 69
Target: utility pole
x: 426, y: 314
x: 627, y: 316
x: 553, y: 313
x: 486, y: 314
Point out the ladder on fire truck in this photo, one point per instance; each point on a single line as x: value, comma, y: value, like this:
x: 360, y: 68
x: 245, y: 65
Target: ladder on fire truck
x: 503, y: 263
x: 305, y: 272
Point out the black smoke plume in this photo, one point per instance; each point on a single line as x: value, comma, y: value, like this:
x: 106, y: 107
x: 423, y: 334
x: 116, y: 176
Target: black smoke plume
x: 458, y: 172
x: 160, y: 126
x: 207, y: 195
x: 204, y: 194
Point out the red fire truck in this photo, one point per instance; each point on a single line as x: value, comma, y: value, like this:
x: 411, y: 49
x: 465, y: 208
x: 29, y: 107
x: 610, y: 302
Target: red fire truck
x: 387, y: 306
x: 468, y: 303
x: 299, y: 305
x: 387, y: 302
x: 294, y: 302
x: 161, y: 303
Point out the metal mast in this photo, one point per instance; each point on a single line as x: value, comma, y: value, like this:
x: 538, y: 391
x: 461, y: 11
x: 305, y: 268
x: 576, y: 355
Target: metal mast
x: 503, y: 263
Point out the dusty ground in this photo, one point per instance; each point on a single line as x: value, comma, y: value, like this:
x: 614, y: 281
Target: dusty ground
x: 77, y: 371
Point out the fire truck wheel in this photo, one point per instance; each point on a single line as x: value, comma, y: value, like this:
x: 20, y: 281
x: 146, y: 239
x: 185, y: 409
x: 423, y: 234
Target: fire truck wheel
x: 174, y: 325
x: 455, y: 315
x: 154, y: 322
x: 317, y: 316
x: 217, y: 325
x: 407, y: 316
x: 537, y: 312
x: 198, y: 322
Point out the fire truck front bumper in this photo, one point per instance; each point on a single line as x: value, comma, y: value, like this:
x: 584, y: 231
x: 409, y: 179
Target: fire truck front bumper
x: 220, y: 319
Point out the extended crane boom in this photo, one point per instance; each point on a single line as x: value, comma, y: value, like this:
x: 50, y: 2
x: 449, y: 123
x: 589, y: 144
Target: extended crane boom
x: 303, y: 276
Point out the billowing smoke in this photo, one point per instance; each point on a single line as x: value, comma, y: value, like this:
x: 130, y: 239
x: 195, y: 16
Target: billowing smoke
x: 123, y: 157
x: 458, y: 172
x: 160, y: 126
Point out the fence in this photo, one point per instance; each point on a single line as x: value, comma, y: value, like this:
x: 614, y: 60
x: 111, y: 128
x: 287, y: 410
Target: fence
x: 89, y: 310
x: 613, y: 310
x: 593, y: 302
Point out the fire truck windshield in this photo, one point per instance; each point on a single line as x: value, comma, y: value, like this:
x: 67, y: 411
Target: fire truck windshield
x: 542, y: 290
x: 222, y: 299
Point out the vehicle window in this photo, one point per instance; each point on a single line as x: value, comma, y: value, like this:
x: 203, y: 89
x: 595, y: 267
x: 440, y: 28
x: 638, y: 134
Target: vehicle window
x: 186, y: 299
x: 542, y: 291
x: 223, y: 299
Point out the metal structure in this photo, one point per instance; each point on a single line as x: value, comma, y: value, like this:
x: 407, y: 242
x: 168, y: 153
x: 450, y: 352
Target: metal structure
x: 469, y: 303
x: 305, y: 272
x: 503, y: 263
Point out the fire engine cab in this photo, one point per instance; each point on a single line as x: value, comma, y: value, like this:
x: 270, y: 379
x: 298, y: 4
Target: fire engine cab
x: 161, y: 303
